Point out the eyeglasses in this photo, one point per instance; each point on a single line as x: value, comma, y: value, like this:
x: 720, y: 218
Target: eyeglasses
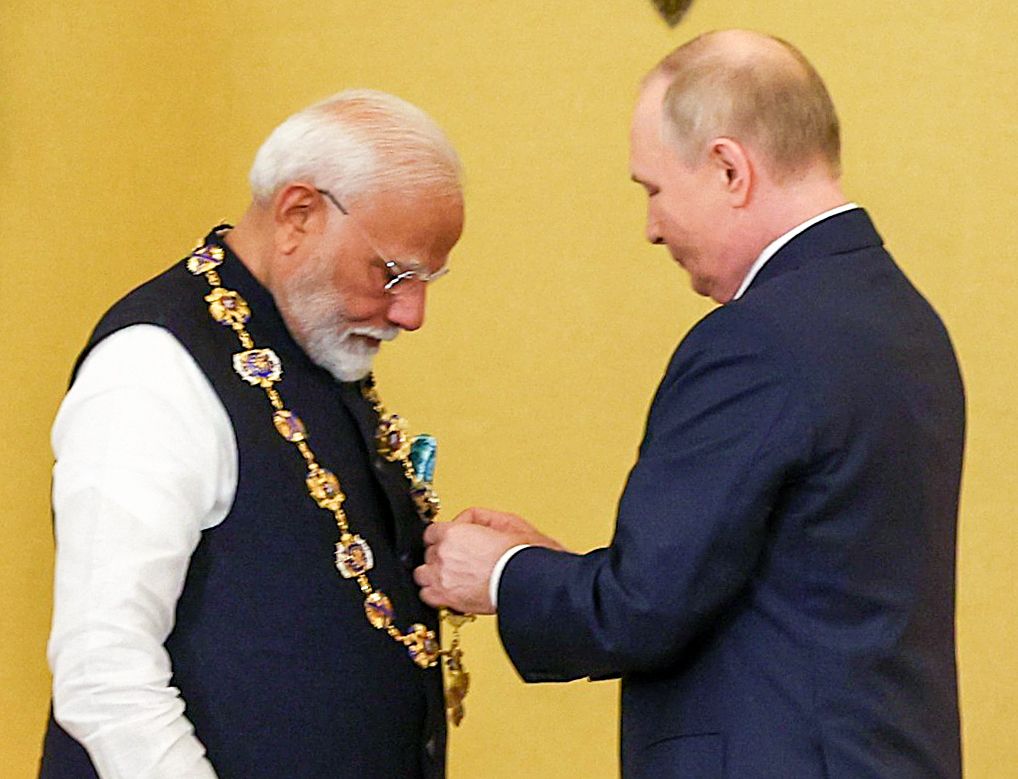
x: 398, y: 275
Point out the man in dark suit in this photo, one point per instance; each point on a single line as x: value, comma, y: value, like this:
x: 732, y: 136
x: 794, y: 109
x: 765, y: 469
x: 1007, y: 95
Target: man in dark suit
x: 778, y: 597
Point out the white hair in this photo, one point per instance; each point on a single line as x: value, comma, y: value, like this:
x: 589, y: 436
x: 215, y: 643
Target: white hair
x: 357, y: 143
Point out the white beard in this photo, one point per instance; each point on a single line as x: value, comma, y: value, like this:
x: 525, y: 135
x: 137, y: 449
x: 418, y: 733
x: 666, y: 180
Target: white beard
x: 341, y: 353
x: 315, y: 314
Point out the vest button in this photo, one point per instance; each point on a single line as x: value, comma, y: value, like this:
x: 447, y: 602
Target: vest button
x: 430, y: 746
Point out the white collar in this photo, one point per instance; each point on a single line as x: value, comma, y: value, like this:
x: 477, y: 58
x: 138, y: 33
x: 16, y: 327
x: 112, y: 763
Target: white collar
x: 773, y: 246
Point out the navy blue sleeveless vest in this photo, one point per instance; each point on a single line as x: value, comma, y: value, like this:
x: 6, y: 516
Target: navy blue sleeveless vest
x: 281, y: 673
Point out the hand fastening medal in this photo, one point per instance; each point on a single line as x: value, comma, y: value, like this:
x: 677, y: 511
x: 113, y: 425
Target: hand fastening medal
x: 354, y: 558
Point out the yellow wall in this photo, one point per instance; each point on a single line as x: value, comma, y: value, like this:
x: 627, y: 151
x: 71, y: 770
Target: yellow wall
x: 126, y: 128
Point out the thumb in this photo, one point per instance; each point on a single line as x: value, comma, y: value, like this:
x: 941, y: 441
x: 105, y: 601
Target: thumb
x: 471, y: 516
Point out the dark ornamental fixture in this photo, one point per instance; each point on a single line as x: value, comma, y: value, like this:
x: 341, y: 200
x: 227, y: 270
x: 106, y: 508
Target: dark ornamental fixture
x: 672, y: 10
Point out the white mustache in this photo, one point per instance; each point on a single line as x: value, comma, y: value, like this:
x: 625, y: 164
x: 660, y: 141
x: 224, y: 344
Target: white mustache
x: 381, y: 333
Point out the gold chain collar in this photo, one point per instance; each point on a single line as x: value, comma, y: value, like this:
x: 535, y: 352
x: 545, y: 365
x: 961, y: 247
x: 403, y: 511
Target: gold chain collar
x: 354, y: 558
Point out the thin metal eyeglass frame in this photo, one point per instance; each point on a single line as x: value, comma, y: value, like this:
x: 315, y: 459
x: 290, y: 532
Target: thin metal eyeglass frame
x: 397, y: 273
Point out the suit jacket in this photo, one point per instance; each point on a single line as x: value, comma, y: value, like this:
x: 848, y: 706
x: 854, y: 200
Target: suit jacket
x: 778, y: 596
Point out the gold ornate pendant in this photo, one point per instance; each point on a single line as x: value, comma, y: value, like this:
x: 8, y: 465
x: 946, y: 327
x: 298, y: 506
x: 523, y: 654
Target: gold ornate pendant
x: 353, y: 556
x: 289, y: 425
x: 422, y: 645
x: 205, y: 258
x: 458, y: 684
x: 323, y: 486
x: 258, y: 367
x: 391, y: 437
x: 228, y: 308
x: 378, y: 609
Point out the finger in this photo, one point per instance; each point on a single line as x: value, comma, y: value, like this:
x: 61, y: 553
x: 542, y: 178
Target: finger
x: 467, y: 515
x: 421, y: 575
x: 431, y: 555
x: 434, y: 532
x: 428, y: 595
x: 476, y: 515
x: 496, y: 520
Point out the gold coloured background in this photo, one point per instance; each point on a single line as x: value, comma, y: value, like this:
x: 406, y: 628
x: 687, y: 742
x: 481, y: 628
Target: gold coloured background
x: 126, y: 130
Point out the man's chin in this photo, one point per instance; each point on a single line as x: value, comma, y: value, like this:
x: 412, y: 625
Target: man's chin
x: 347, y: 356
x: 351, y: 376
x: 349, y: 370
x: 344, y: 364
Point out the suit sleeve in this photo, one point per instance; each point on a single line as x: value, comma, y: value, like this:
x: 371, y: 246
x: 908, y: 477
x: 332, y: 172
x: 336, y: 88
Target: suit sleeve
x: 728, y: 427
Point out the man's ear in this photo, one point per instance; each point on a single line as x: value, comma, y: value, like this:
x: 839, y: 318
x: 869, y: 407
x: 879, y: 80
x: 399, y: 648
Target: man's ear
x: 731, y: 162
x: 297, y: 212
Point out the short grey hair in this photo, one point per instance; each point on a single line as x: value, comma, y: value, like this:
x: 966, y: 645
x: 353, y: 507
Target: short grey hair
x: 357, y: 143
x: 767, y: 93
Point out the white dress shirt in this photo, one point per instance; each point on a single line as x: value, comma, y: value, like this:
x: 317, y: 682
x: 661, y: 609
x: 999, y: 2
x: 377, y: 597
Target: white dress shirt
x: 772, y: 248
x: 145, y: 460
x: 769, y: 251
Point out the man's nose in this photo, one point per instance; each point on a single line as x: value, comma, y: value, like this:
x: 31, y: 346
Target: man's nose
x: 653, y: 230
x: 406, y: 309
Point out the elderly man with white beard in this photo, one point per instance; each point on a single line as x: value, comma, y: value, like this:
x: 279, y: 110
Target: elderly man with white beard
x: 237, y: 515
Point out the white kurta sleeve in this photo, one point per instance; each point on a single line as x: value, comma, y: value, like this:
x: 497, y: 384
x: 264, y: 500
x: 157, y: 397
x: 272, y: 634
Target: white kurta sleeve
x: 145, y: 460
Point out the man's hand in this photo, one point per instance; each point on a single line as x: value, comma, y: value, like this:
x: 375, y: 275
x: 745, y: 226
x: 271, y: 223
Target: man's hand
x: 511, y: 525
x: 462, y: 554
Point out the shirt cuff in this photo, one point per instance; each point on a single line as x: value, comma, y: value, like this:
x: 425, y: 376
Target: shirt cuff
x: 496, y: 573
